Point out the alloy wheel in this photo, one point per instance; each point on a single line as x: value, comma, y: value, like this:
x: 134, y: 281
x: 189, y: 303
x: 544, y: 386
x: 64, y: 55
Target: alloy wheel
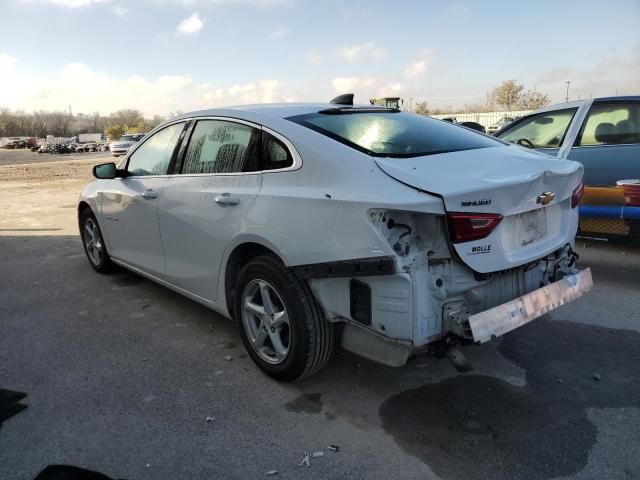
x: 266, y: 321
x: 93, y: 241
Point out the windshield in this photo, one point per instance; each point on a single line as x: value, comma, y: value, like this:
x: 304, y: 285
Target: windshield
x: 542, y: 130
x: 394, y: 134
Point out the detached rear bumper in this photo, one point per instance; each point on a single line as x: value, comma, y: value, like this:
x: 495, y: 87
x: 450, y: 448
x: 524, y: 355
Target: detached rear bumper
x: 506, y: 317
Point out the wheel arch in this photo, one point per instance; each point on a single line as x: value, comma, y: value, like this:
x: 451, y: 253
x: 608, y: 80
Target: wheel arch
x: 82, y: 206
x: 239, y: 255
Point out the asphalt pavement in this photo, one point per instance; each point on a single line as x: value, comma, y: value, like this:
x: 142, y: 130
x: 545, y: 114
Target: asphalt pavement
x: 122, y: 375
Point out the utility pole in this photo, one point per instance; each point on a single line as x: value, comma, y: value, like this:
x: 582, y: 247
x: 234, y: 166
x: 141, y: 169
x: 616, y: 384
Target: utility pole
x: 567, y: 97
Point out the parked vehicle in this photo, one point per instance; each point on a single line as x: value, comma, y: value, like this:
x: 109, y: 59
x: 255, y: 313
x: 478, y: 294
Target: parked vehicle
x: 44, y: 148
x: 604, y: 135
x: 296, y: 218
x: 499, y: 125
x: 86, y: 147
x: 60, y: 148
x: 14, y: 144
x: 125, y: 142
x: 473, y: 126
x: 90, y: 137
x: 450, y: 119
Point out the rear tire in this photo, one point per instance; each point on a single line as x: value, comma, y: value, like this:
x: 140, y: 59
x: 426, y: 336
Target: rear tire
x: 281, y: 324
x: 93, y: 243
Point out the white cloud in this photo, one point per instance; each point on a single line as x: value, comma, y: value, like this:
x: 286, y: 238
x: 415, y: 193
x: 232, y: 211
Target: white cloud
x: 279, y: 33
x: 352, y: 53
x: 265, y: 91
x: 419, y: 66
x: 611, y: 75
x: 6, y: 64
x: 254, y: 3
x: 120, y: 10
x: 391, y: 90
x: 88, y: 90
x: 211, y: 95
x: 76, y: 3
x: 314, y: 57
x: 190, y: 25
x: 350, y: 84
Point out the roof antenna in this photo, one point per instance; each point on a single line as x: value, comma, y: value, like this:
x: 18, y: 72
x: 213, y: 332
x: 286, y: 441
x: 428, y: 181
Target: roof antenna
x: 345, y: 99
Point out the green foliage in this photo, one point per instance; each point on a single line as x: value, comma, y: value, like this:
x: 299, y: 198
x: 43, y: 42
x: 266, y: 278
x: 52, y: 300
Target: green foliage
x: 114, y: 132
x: 508, y: 94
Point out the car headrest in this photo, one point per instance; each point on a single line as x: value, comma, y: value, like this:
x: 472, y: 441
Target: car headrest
x: 229, y: 157
x: 605, y: 132
x: 625, y: 127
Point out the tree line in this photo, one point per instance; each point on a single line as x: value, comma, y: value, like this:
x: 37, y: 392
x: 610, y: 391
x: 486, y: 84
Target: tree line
x: 18, y: 123
x: 507, y: 96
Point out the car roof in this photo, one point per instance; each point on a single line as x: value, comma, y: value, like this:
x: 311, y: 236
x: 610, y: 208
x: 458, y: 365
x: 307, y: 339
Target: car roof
x: 579, y: 103
x: 277, y: 110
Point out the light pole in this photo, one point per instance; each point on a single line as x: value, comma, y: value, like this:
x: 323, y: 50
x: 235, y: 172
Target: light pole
x: 567, y: 97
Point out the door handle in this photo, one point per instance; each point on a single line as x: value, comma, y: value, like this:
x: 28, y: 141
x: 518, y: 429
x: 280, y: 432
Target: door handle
x: 225, y: 199
x: 149, y: 195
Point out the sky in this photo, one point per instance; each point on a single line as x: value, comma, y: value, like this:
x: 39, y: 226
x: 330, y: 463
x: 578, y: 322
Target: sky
x: 161, y: 56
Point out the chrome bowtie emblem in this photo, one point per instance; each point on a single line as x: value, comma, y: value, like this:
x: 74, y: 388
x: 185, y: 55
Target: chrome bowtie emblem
x: 545, y: 198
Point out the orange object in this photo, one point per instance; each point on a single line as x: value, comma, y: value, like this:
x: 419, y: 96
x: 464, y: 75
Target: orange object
x: 603, y: 196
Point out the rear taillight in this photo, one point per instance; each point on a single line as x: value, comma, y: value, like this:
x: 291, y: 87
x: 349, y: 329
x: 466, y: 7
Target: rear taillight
x: 577, y: 195
x: 465, y: 227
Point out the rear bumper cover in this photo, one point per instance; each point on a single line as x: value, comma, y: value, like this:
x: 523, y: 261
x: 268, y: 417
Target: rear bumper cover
x: 513, y: 314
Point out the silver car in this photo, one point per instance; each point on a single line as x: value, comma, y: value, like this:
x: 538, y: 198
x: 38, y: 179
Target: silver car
x: 125, y: 142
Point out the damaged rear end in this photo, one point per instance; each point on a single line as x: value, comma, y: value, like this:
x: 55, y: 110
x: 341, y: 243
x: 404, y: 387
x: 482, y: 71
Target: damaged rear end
x: 500, y: 255
x: 510, y: 223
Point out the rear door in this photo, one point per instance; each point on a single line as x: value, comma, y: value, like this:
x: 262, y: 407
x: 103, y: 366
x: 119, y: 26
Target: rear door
x: 130, y: 205
x: 204, y: 206
x: 608, y: 144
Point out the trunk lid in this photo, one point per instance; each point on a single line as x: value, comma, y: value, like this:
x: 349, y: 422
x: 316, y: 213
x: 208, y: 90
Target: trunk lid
x: 505, y: 180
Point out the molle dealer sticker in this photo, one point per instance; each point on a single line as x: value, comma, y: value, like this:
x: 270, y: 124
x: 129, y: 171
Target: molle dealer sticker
x: 480, y: 249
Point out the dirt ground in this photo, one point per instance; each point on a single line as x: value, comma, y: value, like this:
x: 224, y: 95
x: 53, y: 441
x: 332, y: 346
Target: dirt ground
x: 24, y: 156
x: 55, y: 181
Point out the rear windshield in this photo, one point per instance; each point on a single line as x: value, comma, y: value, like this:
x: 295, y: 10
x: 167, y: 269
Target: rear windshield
x: 395, y: 134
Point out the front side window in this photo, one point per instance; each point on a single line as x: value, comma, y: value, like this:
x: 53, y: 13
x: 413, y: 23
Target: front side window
x: 394, y: 134
x: 154, y: 155
x: 543, y: 130
x: 219, y: 146
x: 611, y: 124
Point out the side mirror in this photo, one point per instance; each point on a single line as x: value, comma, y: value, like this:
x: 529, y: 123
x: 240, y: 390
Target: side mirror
x: 105, y: 171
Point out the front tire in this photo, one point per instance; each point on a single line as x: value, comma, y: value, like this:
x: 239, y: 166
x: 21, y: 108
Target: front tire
x: 93, y: 243
x: 281, y: 324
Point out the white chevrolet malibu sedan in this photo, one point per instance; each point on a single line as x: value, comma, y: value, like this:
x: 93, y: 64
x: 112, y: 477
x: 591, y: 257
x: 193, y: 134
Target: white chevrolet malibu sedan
x: 316, y: 225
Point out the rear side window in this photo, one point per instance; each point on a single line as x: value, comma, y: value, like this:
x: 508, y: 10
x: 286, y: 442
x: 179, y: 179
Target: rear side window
x: 276, y: 154
x: 611, y: 124
x: 218, y: 146
x: 542, y: 130
x: 394, y: 134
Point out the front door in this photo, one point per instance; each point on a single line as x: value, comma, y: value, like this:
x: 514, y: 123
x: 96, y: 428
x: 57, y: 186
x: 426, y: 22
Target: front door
x: 130, y: 204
